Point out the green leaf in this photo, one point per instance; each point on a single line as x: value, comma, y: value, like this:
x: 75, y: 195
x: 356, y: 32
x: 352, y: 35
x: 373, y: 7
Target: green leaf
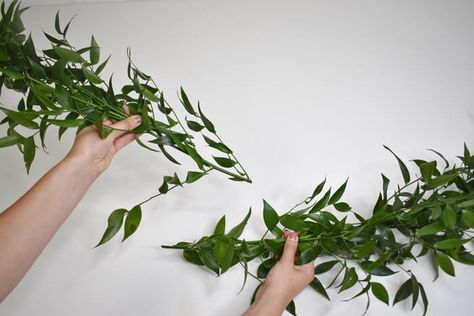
x: 379, y: 292
x: 321, y: 203
x: 466, y: 204
x: 219, y: 146
x: 338, y: 194
x: 149, y: 95
x: 224, y: 162
x: 403, y: 167
x: 194, y: 126
x: 185, y: 101
x: 350, y: 279
x: 445, y: 263
x: 192, y: 256
x: 385, y: 183
x: 273, y: 246
x: 270, y: 216
x: 430, y: 229
x: 325, y: 266
x: 467, y: 218
x: 291, y: 308
x: 114, y: 223
x: 237, y: 230
x: 206, y: 254
x: 11, y: 74
x: 132, y: 221
x: 29, y: 151
x: 67, y: 123
x: 265, y: 267
x: 68, y: 55
x: 20, y: 118
x: 441, y: 180
x: 91, y: 76
x: 365, y: 250
x: 293, y: 222
x: 220, y: 227
x: 405, y: 290
x: 56, y: 23
x: 224, y: 253
x: 7, y: 141
x: 208, y: 124
x: 102, y: 66
x: 424, y: 298
x: 193, y: 176
x: 308, y: 255
x: 318, y: 287
x: 342, y: 207
x: 94, y: 53
x: 449, y: 217
x: 450, y: 243
x: 427, y: 170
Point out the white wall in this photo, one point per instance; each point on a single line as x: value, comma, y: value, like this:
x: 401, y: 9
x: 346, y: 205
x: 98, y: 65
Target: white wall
x: 300, y: 90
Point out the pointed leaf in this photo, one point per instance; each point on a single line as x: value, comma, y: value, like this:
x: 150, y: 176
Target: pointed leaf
x: 114, y: 223
x: 132, y: 221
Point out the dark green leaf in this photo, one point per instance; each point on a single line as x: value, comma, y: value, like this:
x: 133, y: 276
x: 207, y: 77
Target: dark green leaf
x: 291, y: 308
x: 270, y: 216
x: 293, y: 222
x: 445, y: 263
x: 350, y: 279
x: 192, y: 256
x: 321, y: 203
x: 318, y: 287
x: 342, y: 207
x: 208, y: 124
x: 449, y: 217
x: 67, y: 123
x: 224, y: 253
x: 424, y: 298
x: 380, y: 292
x: 9, y: 141
x: 206, y: 254
x: 114, y: 223
x: 193, y: 176
x: 265, y: 267
x: 430, y: 229
x: 132, y: 221
x: 224, y: 162
x: 20, y: 118
x: 29, y: 151
x: 91, y: 76
x: 467, y: 218
x: 185, y: 101
x: 450, y: 243
x: 308, y: 255
x: 325, y: 266
x: 237, y: 230
x: 405, y: 290
x: 56, y: 24
x: 220, y: 227
x: 94, y: 53
x: 338, y: 194
x: 68, y: 55
x: 427, y: 170
x: 194, y: 126
x: 403, y: 167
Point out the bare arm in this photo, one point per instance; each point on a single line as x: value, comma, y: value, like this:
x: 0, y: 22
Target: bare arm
x: 285, y: 280
x: 28, y: 225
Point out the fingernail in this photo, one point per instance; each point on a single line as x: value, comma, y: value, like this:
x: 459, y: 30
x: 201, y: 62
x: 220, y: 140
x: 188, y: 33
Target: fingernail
x: 137, y: 119
x: 285, y: 234
x: 293, y: 236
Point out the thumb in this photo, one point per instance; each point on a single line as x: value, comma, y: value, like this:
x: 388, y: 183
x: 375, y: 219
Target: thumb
x: 289, y: 251
x: 125, y: 126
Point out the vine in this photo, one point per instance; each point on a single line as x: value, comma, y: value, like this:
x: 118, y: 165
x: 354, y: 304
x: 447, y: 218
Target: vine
x: 62, y: 87
x: 434, y: 211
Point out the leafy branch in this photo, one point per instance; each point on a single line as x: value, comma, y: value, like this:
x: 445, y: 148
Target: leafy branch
x: 434, y: 211
x: 62, y: 86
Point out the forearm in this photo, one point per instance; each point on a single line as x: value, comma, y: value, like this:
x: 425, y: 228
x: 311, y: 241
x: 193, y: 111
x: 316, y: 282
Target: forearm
x: 27, y: 226
x: 266, y: 304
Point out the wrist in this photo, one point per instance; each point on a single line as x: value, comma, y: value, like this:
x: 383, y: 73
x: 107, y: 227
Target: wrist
x: 86, y: 167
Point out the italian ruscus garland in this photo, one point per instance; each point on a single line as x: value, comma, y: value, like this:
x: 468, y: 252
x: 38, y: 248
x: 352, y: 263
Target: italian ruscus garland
x: 62, y: 86
x: 432, y: 214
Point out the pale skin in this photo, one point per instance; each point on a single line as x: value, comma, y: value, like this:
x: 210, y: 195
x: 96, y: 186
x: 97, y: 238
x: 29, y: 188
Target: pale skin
x: 28, y: 225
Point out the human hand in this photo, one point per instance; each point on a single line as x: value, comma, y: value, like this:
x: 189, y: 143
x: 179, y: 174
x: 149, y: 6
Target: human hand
x: 284, y: 281
x: 97, y: 152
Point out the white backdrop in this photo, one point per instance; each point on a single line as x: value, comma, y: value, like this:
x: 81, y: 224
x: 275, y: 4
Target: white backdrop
x: 300, y: 90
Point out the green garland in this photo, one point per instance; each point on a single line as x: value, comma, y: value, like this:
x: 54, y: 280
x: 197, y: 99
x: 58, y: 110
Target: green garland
x: 435, y: 211
x: 63, y: 88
